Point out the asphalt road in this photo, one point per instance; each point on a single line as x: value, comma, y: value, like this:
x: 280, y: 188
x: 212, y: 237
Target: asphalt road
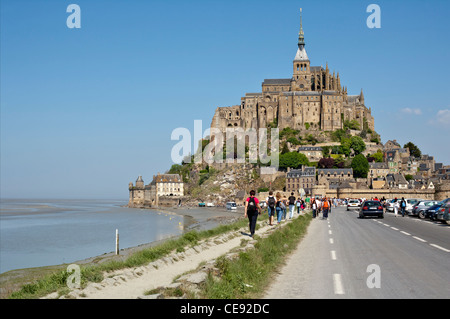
x: 347, y: 257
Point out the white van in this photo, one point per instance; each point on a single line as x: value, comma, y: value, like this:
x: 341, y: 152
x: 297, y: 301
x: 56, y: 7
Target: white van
x: 231, y: 206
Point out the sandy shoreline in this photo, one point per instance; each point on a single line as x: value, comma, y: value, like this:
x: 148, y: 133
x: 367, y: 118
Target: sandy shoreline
x: 202, y: 218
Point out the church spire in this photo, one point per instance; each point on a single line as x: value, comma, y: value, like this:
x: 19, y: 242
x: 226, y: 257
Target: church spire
x: 301, y: 35
x: 301, y: 52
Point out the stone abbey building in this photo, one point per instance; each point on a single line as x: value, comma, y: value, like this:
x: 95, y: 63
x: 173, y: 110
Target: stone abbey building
x: 312, y: 99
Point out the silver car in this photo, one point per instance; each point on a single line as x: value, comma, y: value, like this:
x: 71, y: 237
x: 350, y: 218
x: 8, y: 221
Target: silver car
x: 390, y: 205
x: 421, y: 207
x: 410, y: 203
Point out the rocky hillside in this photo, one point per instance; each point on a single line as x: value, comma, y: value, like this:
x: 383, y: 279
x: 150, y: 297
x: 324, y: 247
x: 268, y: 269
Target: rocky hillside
x: 220, y: 185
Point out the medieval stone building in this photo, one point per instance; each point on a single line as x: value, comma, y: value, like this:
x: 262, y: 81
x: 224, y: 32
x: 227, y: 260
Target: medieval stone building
x: 162, y: 185
x: 311, y: 99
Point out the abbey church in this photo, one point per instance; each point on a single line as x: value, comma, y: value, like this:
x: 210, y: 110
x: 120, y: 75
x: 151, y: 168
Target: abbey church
x: 311, y: 99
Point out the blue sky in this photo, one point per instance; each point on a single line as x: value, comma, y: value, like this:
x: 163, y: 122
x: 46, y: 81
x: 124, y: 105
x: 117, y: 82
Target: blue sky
x: 85, y: 111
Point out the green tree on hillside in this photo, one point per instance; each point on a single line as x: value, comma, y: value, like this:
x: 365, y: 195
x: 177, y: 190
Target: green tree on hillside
x: 293, y: 160
x: 360, y: 166
x: 345, y: 146
x: 378, y: 156
x: 358, y: 144
x: 413, y: 149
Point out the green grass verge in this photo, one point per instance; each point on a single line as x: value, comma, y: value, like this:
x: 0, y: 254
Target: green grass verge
x: 247, y: 277
x: 57, y: 281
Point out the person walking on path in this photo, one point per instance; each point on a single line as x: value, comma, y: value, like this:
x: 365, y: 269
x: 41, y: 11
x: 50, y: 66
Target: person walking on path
x: 271, y: 201
x: 291, y: 205
x: 319, y: 206
x: 252, y: 210
x: 326, y: 206
x: 403, y: 206
x: 283, y: 206
x: 395, y: 207
x: 278, y: 207
x: 298, y: 203
x: 307, y: 202
x: 314, y: 207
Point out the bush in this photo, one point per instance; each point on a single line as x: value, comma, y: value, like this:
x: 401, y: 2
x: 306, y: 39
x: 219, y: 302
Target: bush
x: 294, y: 141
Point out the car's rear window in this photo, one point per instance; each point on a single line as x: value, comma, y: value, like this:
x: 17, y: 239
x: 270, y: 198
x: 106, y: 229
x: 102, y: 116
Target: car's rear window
x: 372, y: 204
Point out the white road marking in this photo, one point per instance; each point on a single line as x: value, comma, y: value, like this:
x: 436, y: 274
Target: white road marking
x: 331, y: 241
x: 420, y: 239
x: 333, y: 255
x: 394, y: 228
x: 441, y: 248
x: 337, y: 282
x: 330, y: 232
x: 403, y: 232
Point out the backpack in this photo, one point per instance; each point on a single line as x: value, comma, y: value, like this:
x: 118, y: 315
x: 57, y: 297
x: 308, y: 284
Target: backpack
x: 291, y: 200
x: 325, y: 204
x: 251, y: 204
x: 271, y: 202
x: 403, y: 204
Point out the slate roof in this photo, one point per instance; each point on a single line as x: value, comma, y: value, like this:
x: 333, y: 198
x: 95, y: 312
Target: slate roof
x: 168, y: 178
x: 307, y: 172
x: 338, y: 171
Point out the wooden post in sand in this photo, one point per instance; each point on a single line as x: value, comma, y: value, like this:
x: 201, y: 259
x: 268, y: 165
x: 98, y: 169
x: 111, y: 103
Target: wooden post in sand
x: 117, y: 241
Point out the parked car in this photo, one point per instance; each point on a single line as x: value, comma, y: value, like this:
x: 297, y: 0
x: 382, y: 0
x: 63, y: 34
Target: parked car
x: 420, y: 208
x: 231, y: 206
x: 201, y: 204
x: 431, y: 211
x: 410, y: 202
x: 390, y: 205
x: 353, y: 203
x: 442, y: 213
x: 446, y: 215
x: 371, y: 208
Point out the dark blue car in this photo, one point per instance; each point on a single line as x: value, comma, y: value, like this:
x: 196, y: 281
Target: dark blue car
x: 431, y: 212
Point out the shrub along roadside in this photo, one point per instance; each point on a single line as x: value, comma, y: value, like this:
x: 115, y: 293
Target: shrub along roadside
x: 57, y: 281
x: 247, y: 277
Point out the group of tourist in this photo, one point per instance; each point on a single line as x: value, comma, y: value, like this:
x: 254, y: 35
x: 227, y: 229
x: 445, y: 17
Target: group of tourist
x: 279, y: 205
x: 322, y: 205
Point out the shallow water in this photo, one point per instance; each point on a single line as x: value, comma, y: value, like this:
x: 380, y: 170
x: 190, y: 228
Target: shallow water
x: 37, y: 233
